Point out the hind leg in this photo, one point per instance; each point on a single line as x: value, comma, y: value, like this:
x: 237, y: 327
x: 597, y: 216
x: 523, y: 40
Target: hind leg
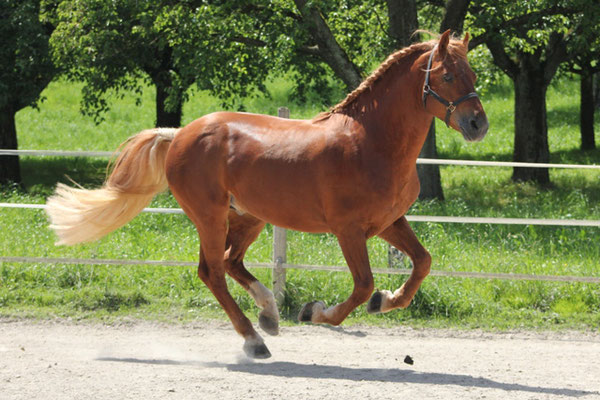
x: 243, y: 230
x: 215, y: 280
x: 210, y: 218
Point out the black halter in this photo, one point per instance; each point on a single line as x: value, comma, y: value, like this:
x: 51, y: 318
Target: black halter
x: 450, y: 105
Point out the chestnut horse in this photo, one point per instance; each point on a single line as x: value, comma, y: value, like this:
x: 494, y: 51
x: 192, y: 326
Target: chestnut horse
x: 350, y: 171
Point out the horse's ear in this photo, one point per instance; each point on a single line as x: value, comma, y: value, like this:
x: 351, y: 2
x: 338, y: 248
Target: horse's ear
x: 443, y: 43
x: 466, y: 41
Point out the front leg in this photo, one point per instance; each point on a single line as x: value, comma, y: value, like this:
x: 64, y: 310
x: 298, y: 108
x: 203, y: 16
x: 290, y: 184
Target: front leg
x: 401, y: 236
x: 354, y: 248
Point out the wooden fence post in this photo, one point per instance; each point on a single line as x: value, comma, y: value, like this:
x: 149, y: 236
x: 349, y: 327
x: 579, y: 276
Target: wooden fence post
x: 279, y: 246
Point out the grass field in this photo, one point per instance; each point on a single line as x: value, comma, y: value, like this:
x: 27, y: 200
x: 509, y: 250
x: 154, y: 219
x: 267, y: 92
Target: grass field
x: 175, y: 293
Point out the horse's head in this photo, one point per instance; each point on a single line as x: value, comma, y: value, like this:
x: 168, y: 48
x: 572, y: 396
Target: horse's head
x: 448, y: 89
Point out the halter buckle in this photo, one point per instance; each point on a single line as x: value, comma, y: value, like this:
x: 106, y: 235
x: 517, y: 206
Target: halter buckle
x: 451, y: 107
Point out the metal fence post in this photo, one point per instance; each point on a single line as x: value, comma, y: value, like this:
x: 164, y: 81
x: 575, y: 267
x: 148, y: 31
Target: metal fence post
x: 279, y: 246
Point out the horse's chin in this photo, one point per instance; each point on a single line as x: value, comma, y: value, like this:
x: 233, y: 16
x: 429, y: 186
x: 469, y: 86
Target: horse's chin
x: 472, y: 137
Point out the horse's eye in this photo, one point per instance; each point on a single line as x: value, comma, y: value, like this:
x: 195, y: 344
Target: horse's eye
x: 448, y: 77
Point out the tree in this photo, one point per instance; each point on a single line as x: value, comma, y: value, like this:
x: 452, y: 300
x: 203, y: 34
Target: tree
x: 585, y: 63
x: 596, y: 82
x: 122, y: 45
x: 327, y: 47
x: 528, y: 41
x: 25, y: 71
x: 588, y: 67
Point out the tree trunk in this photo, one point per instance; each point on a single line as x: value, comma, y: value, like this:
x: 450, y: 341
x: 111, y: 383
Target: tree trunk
x: 9, y: 165
x: 454, y: 18
x: 329, y: 49
x: 531, y: 130
x: 596, y: 81
x: 429, y: 175
x: 403, y: 21
x: 164, y: 118
x: 586, y: 113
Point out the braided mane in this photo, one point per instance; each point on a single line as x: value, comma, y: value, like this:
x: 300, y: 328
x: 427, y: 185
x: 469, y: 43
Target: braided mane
x: 370, y: 81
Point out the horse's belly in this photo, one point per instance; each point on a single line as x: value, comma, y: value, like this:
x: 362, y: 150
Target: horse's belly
x: 277, y: 211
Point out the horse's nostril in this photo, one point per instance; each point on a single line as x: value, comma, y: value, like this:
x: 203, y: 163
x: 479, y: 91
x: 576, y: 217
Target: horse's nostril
x: 474, y: 124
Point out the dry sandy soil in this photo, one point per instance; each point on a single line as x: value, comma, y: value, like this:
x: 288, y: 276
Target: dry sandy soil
x: 63, y: 360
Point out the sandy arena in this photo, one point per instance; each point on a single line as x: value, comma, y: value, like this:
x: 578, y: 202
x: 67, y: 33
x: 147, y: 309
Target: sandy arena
x: 142, y: 360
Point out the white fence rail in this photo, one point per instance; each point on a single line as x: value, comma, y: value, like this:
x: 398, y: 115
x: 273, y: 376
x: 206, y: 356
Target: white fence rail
x: 333, y: 268
x: 279, y: 264
x: 411, y: 218
x: 434, y: 161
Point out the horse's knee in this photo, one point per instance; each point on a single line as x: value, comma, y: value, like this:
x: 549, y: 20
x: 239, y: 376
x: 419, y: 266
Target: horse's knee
x: 363, y: 289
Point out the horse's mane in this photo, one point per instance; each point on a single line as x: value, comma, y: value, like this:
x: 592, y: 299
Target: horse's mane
x: 392, y: 60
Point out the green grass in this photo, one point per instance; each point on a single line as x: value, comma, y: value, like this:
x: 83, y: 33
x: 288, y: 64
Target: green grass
x: 175, y: 293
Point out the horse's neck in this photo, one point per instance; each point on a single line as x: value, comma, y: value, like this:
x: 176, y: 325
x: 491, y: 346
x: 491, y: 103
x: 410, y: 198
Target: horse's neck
x: 396, y: 119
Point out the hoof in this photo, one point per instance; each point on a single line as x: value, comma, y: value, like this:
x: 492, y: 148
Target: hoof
x: 256, y: 350
x: 374, y: 305
x: 306, y: 313
x: 268, y: 324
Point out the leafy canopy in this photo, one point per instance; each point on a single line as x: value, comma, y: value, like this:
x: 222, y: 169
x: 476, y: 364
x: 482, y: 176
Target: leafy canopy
x: 26, y: 67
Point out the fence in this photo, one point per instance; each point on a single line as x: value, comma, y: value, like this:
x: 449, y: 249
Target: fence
x: 279, y: 264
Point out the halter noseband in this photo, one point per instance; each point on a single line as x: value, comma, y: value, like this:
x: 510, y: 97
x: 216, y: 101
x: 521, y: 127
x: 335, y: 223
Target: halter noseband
x: 450, y: 105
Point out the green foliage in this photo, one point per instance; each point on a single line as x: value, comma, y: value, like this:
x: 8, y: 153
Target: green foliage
x: 26, y: 67
x: 361, y: 28
x: 119, y: 47
x: 538, y: 27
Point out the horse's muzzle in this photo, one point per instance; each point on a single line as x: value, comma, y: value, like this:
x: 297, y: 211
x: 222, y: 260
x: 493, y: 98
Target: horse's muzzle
x: 474, y: 126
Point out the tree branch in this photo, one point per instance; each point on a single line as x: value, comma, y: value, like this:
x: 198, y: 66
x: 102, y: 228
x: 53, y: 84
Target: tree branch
x: 330, y: 50
x: 310, y: 50
x: 477, y: 41
x: 518, y: 21
x: 556, y: 53
x: 522, y: 20
x: 501, y: 58
x: 248, y: 41
x: 454, y: 17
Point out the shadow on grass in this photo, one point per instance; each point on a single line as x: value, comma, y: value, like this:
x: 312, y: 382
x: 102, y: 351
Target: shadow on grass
x: 576, y: 156
x: 564, y: 115
x: 40, y: 174
x: 284, y: 369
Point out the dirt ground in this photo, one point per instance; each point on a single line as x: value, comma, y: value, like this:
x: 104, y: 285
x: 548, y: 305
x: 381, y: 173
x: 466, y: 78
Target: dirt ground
x: 141, y: 360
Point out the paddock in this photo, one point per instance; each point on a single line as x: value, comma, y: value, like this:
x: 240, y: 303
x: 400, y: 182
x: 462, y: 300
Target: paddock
x: 280, y: 247
x: 146, y: 360
x: 66, y: 360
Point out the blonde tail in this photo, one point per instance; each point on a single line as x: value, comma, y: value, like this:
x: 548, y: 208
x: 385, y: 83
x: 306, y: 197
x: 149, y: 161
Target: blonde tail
x: 81, y: 215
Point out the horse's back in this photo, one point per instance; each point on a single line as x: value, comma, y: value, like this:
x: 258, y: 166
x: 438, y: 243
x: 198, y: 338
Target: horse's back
x: 267, y: 163
x: 301, y: 174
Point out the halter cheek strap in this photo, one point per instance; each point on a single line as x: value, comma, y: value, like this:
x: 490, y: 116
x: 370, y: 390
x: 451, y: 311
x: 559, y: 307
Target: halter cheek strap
x: 427, y: 90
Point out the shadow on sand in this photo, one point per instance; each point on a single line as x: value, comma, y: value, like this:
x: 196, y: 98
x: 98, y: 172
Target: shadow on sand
x: 286, y: 369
